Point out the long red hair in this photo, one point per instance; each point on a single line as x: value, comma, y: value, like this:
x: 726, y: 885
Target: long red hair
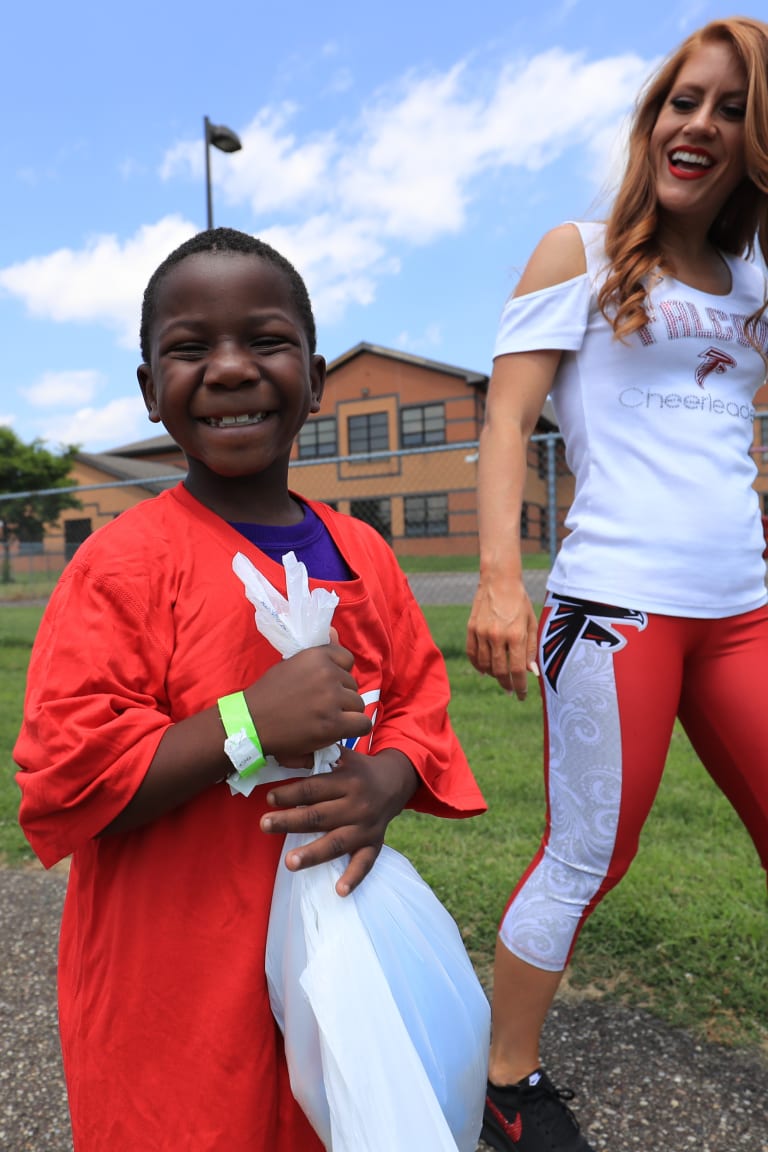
x: 631, y: 242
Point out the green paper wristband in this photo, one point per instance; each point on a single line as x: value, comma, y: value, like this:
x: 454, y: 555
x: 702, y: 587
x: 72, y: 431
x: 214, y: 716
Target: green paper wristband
x: 238, y: 723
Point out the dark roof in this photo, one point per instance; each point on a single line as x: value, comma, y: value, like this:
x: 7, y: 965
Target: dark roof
x: 153, y: 444
x: 475, y: 379
x: 155, y: 477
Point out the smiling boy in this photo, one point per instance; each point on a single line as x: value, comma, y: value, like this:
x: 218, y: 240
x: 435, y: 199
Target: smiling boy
x: 167, y: 1034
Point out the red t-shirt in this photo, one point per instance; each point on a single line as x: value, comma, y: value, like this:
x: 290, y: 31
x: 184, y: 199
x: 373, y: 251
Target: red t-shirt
x: 168, y: 1039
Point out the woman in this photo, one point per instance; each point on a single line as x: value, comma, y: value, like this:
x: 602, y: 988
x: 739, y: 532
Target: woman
x: 648, y: 334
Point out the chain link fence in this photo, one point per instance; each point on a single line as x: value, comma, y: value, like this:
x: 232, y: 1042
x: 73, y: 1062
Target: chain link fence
x: 423, y: 501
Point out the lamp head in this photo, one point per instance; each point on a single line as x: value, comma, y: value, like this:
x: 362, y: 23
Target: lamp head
x: 222, y: 137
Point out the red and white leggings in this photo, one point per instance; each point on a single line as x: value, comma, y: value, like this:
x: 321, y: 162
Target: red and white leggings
x: 613, y: 680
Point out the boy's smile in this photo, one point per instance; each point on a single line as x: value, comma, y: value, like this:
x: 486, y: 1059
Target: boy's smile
x: 230, y: 375
x: 230, y: 421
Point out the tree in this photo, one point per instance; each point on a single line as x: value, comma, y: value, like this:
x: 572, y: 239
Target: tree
x: 30, y: 469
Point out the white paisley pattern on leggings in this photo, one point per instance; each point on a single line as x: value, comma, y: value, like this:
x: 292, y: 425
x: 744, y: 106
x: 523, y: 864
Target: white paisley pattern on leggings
x: 584, y: 790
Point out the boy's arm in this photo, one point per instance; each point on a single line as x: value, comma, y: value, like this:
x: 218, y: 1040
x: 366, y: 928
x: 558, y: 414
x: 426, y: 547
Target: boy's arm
x: 415, y: 759
x: 99, y: 750
x: 290, y: 723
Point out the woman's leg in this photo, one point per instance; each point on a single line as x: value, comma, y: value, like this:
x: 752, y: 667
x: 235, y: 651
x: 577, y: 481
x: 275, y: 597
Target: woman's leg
x: 724, y: 710
x: 611, y: 682
x: 522, y: 997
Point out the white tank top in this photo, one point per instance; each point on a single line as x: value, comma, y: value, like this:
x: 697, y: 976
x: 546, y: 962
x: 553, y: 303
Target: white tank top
x: 658, y: 432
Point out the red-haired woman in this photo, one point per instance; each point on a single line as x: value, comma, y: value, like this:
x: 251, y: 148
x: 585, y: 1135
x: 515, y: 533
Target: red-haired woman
x: 648, y: 334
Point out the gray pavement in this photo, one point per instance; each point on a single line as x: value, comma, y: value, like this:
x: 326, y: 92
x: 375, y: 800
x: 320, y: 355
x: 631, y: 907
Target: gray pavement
x: 640, y: 1085
x: 459, y: 587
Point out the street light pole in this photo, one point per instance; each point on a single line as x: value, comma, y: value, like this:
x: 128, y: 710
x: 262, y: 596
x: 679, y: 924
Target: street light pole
x: 225, y: 140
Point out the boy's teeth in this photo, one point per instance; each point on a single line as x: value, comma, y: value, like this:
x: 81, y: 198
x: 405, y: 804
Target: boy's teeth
x: 229, y: 421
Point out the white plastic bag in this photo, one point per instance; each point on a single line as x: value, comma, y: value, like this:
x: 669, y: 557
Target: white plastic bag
x: 303, y: 620
x: 386, y: 1025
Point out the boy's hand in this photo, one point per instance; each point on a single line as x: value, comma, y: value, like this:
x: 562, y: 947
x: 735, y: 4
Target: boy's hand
x: 351, y: 806
x: 306, y: 702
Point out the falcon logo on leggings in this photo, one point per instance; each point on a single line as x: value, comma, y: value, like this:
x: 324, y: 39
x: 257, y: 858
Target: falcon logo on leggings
x: 573, y: 620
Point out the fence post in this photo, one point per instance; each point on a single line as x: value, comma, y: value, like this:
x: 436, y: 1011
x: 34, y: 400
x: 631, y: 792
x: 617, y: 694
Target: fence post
x: 552, y: 495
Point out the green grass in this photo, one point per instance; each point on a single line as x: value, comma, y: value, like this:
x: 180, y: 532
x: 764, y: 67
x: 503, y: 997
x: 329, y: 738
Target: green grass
x: 28, y: 586
x: 17, y: 629
x: 685, y: 934
x: 462, y: 563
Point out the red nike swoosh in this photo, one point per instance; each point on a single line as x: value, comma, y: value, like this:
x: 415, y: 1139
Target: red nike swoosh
x: 513, y: 1129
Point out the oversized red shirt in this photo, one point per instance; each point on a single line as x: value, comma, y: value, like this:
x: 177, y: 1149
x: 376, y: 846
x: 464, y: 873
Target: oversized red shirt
x: 168, y: 1039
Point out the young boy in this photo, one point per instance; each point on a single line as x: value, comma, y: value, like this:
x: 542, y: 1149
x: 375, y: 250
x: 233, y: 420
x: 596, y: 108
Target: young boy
x: 147, y: 659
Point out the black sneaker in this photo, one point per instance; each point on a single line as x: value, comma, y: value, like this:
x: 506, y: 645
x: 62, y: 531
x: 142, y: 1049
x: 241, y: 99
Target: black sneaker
x: 531, y: 1116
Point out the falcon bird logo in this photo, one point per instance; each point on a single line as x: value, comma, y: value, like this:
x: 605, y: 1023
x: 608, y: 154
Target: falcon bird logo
x: 715, y: 360
x: 573, y: 620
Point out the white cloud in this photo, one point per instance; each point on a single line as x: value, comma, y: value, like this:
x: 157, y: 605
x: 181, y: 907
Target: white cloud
x: 425, y: 344
x: 119, y: 421
x: 340, y: 260
x: 273, y: 172
x: 64, y: 389
x: 102, y: 283
x: 343, y: 203
x: 7, y: 421
x: 410, y: 165
x: 130, y: 167
x: 341, y: 80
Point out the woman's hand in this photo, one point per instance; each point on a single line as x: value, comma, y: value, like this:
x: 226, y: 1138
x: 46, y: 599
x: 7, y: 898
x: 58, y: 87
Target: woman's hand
x: 501, y: 634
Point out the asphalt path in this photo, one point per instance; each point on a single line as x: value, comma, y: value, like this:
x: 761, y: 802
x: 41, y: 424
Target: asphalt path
x: 459, y: 587
x: 640, y: 1085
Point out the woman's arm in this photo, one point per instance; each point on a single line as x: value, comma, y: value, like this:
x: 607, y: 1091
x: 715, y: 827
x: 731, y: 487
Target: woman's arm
x: 501, y: 635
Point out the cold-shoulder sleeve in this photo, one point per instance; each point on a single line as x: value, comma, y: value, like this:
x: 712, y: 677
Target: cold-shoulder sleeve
x: 554, y: 317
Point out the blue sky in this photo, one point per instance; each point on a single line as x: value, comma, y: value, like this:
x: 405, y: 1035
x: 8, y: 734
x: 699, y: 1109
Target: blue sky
x: 406, y: 157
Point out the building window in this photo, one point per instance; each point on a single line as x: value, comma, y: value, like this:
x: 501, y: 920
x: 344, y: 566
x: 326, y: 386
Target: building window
x: 318, y: 438
x: 75, y: 532
x: 544, y: 527
x: 762, y: 429
x: 377, y: 513
x: 534, y: 523
x: 368, y: 433
x: 426, y: 515
x: 421, y: 425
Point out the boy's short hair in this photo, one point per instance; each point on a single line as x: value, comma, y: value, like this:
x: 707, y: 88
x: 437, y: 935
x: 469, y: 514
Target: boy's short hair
x: 225, y: 240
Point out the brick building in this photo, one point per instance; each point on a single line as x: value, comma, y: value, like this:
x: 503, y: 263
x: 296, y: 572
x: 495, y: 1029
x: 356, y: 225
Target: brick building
x: 395, y: 443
